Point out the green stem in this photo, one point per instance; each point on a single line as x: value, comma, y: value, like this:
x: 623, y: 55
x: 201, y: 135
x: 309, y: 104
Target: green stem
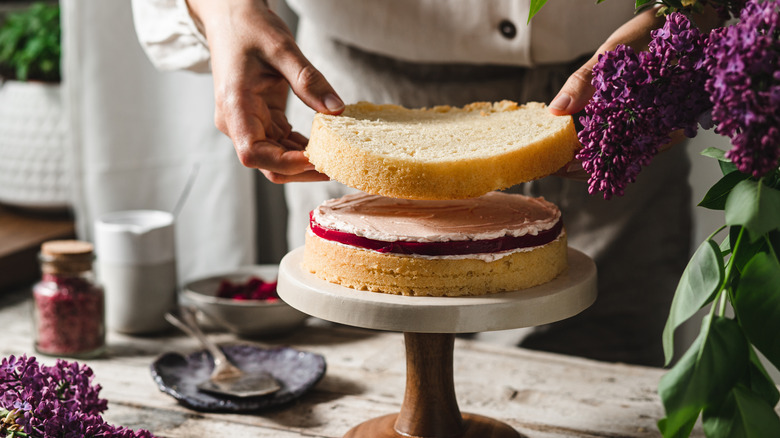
x: 721, y: 298
x: 711, y: 236
x: 729, y: 268
x: 771, y: 248
x: 730, y: 265
x: 722, y: 305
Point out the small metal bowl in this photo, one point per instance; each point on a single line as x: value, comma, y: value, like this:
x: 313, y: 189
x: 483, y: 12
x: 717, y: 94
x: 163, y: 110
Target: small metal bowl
x: 246, y: 318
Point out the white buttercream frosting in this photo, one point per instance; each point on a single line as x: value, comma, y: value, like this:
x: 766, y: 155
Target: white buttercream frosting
x: 490, y: 216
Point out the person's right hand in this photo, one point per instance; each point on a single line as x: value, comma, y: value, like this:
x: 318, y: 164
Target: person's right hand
x: 254, y: 59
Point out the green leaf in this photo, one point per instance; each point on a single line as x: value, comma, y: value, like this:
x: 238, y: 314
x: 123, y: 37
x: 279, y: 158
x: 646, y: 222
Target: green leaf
x: 734, y: 233
x: 716, y: 153
x: 704, y: 375
x: 754, y: 206
x: 725, y: 246
x: 757, y: 304
x: 698, y: 285
x: 726, y: 166
x: 640, y: 3
x: 21, y: 72
x: 774, y: 240
x: 759, y: 381
x: 715, y: 199
x: 743, y: 414
x: 745, y: 250
x: 729, y: 419
x: 30, y: 43
x: 536, y: 5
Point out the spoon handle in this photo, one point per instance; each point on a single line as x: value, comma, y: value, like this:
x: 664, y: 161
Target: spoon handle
x: 187, y: 324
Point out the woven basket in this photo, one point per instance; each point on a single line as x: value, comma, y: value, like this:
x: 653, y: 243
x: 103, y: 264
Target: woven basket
x: 34, y: 160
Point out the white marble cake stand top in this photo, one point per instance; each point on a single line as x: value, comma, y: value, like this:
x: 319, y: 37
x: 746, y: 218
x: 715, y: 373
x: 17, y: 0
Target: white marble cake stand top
x: 565, y: 296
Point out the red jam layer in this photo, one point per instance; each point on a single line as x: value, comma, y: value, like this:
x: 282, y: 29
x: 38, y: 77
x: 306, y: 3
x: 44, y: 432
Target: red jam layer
x: 452, y: 247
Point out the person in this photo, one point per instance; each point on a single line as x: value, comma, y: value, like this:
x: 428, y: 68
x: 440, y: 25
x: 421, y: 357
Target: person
x: 420, y: 54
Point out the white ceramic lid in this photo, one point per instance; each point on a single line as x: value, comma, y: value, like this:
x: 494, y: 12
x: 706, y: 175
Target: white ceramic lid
x: 141, y: 237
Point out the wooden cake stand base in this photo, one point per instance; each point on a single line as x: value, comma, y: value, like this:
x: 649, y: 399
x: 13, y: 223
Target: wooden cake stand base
x: 430, y: 408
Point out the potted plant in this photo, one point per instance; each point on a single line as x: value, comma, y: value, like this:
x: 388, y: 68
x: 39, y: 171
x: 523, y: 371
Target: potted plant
x: 33, y: 160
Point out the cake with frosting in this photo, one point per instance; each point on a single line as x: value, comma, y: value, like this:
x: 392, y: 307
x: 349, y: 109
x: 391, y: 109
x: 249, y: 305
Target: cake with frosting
x: 493, y: 243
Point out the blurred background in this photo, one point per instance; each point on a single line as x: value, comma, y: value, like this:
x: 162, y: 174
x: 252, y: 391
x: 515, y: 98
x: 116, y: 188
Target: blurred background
x: 112, y: 133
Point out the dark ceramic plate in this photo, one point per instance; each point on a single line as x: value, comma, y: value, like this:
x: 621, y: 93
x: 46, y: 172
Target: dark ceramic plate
x: 296, y: 371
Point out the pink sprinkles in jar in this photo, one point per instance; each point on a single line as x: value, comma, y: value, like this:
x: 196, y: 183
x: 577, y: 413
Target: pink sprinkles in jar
x: 68, y: 305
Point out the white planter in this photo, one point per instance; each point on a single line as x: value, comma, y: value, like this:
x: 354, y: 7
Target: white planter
x: 34, y: 160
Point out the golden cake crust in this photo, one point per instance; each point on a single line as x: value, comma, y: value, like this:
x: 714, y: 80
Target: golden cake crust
x: 363, y: 269
x: 441, y: 152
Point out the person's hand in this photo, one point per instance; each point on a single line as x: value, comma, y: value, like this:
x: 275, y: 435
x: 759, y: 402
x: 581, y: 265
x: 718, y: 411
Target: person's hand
x: 255, y: 61
x: 578, y: 90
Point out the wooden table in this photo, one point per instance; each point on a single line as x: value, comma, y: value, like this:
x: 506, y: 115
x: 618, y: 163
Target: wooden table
x: 538, y: 394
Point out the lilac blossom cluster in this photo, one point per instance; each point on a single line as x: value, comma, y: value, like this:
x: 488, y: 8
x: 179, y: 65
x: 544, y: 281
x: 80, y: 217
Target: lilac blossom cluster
x: 56, y: 401
x: 728, y: 78
x: 742, y: 61
x: 640, y: 99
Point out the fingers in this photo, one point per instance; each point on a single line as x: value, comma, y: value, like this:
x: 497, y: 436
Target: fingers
x: 283, y: 166
x: 273, y: 156
x: 255, y: 62
x: 298, y: 139
x: 279, y: 49
x: 576, y: 92
x: 307, y: 82
x: 573, y: 170
x: 309, y: 176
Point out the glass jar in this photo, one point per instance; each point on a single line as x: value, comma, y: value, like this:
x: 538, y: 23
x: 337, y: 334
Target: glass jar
x: 68, y: 306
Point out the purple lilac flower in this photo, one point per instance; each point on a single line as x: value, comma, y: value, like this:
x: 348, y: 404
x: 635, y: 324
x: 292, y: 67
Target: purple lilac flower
x: 75, y: 383
x: 640, y: 99
x: 678, y: 66
x: 57, y: 401
x: 742, y: 61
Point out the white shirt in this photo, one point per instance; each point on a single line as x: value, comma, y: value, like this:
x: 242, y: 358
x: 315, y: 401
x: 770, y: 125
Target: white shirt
x: 430, y: 31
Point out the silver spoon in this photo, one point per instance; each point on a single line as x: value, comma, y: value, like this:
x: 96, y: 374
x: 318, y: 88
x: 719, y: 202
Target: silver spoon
x: 226, y: 378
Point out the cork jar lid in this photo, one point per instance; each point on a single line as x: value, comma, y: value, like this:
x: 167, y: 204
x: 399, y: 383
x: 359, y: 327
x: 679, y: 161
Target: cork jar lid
x: 66, y: 256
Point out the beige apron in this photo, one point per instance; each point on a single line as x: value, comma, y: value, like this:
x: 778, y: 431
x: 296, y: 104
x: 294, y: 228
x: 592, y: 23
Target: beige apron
x: 640, y: 242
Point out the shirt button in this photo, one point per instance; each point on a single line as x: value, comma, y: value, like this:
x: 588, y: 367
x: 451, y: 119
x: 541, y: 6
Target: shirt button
x: 507, y: 29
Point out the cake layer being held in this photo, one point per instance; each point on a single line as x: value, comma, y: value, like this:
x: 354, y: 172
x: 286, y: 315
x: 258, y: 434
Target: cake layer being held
x: 442, y: 152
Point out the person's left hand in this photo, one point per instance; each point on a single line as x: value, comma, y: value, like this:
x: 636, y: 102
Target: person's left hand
x: 578, y: 90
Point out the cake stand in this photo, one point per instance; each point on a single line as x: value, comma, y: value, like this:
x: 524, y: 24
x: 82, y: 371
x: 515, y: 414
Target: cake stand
x: 429, y: 324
